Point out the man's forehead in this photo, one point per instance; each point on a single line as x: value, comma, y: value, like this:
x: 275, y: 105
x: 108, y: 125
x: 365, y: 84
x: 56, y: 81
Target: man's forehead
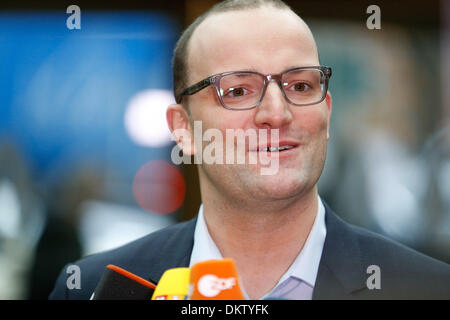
x: 220, y: 33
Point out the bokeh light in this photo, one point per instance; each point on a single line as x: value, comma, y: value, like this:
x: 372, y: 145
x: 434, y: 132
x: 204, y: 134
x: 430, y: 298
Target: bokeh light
x: 145, y: 118
x: 159, y: 187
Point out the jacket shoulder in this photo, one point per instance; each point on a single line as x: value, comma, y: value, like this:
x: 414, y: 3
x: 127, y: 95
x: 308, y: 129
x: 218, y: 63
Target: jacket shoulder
x: 147, y: 257
x: 404, y: 272
x: 377, y: 247
x: 360, y: 264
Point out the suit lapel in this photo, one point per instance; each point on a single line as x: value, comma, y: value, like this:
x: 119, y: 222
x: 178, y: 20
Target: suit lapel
x: 341, y: 272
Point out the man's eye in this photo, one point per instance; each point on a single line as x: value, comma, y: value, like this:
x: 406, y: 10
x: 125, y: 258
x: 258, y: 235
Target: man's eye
x: 236, y: 92
x: 301, y: 86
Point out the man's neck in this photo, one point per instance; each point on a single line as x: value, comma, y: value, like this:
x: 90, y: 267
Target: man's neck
x: 263, y: 244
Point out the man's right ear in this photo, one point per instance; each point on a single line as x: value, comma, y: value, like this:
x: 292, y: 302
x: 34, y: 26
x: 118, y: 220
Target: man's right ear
x: 180, y: 127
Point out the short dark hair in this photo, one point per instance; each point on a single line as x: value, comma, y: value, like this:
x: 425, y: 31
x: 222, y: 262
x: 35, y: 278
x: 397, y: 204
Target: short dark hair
x: 179, y: 62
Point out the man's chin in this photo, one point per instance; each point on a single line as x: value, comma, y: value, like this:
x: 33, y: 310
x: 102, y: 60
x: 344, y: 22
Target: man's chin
x: 278, y: 187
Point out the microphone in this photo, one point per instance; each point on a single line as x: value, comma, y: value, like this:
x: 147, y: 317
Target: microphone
x: 215, y: 280
x: 119, y: 284
x: 173, y: 285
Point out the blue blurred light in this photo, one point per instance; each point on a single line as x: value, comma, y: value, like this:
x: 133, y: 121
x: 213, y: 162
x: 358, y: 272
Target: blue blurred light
x: 64, y: 92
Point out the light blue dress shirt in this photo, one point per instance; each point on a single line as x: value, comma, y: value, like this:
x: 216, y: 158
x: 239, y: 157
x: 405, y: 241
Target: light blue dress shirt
x: 298, y: 281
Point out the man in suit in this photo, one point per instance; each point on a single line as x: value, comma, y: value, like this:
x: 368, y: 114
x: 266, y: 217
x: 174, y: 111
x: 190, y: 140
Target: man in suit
x: 254, y: 65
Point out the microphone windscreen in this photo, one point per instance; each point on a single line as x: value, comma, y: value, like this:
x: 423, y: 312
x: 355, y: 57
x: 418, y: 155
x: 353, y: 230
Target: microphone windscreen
x: 173, y: 285
x: 119, y: 284
x: 215, y: 280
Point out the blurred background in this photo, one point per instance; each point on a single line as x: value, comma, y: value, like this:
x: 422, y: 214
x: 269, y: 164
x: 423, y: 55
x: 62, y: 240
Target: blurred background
x: 85, y: 150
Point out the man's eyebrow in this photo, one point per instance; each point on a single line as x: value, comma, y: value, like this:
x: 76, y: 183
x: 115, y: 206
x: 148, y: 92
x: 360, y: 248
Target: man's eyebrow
x: 251, y: 69
x: 299, y: 66
x: 242, y: 75
x: 293, y: 66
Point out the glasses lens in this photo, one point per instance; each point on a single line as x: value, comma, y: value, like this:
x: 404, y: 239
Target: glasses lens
x: 241, y: 90
x: 304, y: 86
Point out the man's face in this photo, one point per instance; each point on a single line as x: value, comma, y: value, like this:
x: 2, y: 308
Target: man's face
x: 265, y: 40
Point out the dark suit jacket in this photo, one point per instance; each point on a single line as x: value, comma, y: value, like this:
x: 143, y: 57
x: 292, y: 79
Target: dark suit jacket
x: 348, y: 252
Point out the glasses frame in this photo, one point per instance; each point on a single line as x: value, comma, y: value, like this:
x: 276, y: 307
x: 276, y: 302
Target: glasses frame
x: 215, y: 80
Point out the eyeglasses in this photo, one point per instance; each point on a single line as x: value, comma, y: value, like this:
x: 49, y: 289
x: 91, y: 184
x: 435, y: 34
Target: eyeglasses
x: 243, y: 90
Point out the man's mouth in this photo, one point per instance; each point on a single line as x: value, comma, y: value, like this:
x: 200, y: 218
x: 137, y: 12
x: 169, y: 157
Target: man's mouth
x: 280, y: 147
x: 276, y: 149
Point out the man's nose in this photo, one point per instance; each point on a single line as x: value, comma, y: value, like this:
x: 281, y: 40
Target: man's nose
x: 274, y: 110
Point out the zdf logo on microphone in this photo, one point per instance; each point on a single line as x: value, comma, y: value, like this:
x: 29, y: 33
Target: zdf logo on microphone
x: 210, y: 285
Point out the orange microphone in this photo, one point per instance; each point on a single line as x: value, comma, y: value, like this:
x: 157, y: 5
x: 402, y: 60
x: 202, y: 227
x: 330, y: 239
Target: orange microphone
x: 215, y: 280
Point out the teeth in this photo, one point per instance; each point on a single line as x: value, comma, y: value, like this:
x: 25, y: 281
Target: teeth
x: 276, y: 149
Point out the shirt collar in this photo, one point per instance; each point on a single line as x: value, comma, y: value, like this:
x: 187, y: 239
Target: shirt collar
x: 204, y: 246
x: 305, y: 265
